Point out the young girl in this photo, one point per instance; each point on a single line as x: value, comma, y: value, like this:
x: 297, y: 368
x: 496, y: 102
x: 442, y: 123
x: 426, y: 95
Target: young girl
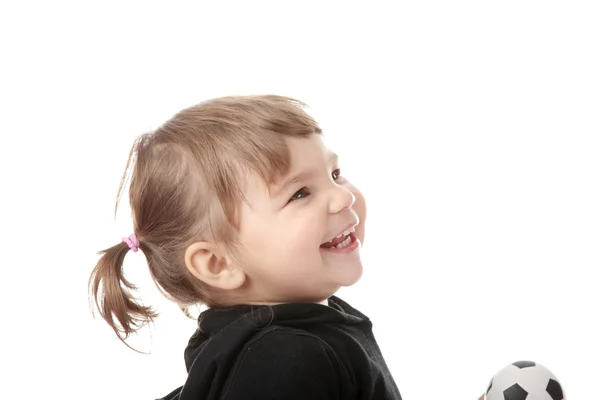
x: 238, y: 205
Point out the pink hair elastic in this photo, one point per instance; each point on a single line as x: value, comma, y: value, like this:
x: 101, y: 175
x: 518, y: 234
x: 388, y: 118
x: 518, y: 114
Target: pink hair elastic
x: 132, y: 242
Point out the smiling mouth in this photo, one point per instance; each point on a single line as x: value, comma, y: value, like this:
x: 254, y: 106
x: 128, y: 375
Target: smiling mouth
x: 342, y: 240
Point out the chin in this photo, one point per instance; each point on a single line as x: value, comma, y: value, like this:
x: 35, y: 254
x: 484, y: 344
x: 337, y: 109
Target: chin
x: 352, y: 276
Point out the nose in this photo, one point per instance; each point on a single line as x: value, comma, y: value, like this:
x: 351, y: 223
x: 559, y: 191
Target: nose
x: 341, y: 199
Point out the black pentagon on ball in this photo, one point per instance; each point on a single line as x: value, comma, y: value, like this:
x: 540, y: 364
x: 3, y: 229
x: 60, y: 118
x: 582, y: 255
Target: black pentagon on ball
x: 515, y: 392
x: 554, y: 390
x: 524, y: 364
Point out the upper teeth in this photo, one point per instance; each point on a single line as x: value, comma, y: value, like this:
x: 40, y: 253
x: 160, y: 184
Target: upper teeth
x: 345, y: 233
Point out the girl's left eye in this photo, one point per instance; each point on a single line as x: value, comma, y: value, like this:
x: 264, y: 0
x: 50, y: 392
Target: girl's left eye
x: 336, y: 174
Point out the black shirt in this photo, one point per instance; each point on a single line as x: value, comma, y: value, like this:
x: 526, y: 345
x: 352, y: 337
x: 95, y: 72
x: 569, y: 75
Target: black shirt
x: 285, y: 352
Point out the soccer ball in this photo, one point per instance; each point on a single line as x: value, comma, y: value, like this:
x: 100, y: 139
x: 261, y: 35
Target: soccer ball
x: 524, y: 380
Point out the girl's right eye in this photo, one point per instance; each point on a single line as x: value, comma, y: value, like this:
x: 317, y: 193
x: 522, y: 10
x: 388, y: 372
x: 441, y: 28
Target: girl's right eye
x: 300, y: 194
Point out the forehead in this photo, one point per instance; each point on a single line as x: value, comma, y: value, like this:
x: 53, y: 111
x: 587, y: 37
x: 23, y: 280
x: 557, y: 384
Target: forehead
x: 307, y: 155
x: 308, y: 150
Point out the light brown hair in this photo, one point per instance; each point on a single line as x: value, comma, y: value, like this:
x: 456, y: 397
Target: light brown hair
x: 186, y: 185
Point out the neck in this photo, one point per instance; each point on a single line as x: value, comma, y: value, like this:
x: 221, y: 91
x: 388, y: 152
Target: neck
x: 271, y: 303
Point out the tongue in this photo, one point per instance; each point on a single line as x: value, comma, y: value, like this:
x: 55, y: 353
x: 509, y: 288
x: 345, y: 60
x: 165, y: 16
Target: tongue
x: 334, y: 242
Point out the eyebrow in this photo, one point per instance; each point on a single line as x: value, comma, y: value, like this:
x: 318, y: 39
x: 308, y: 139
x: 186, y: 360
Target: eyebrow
x: 279, y: 187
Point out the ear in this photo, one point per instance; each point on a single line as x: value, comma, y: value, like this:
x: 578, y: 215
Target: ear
x: 209, y: 263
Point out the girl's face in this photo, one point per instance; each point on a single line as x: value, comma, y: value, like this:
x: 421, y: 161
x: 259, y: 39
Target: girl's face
x: 283, y: 229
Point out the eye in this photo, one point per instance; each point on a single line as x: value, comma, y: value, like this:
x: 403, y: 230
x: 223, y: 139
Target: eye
x: 336, y: 174
x: 300, y: 194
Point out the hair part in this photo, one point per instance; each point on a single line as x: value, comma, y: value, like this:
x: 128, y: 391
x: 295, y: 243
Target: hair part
x: 186, y: 185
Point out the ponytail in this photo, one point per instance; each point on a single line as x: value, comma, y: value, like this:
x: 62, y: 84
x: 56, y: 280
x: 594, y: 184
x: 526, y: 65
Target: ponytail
x: 111, y: 294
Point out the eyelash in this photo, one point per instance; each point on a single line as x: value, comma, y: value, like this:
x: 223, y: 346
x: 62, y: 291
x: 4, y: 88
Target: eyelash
x: 337, y: 173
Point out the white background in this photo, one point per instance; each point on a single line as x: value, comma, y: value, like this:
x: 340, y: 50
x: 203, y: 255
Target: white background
x: 471, y: 126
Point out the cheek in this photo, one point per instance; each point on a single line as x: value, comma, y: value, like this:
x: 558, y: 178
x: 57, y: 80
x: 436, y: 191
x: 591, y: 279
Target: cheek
x: 360, y: 207
x: 306, y: 232
x: 279, y: 239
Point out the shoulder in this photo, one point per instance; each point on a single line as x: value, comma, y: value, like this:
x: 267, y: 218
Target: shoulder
x: 286, y: 363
